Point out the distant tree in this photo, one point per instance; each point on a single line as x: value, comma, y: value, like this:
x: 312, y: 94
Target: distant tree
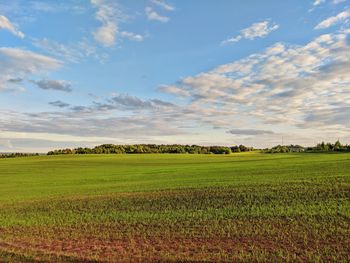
x: 235, y: 149
x: 337, y: 146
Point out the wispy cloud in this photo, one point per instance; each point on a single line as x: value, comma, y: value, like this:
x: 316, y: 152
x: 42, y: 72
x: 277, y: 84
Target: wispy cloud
x: 285, y: 85
x: 153, y: 15
x: 132, y: 36
x: 342, y: 17
x: 318, y: 2
x: 109, y: 14
x: 6, y: 24
x: 256, y: 30
x: 338, y: 1
x: 70, y: 52
x: 163, y: 5
x: 57, y: 6
x: 19, y: 64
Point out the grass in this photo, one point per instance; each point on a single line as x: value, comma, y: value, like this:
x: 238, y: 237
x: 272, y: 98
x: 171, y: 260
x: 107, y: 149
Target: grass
x: 119, y: 208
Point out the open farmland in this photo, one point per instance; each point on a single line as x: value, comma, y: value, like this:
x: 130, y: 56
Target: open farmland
x: 116, y: 208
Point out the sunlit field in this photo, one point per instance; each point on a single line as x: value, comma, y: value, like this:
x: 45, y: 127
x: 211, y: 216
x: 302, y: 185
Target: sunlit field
x: 246, y: 207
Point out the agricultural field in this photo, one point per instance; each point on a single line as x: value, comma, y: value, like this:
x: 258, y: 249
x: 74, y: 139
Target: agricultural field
x: 247, y: 207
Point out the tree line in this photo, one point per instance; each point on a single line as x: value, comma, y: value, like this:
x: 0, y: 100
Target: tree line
x: 190, y: 149
x: 327, y: 147
x: 14, y: 155
x: 320, y: 147
x: 195, y: 149
x: 152, y: 148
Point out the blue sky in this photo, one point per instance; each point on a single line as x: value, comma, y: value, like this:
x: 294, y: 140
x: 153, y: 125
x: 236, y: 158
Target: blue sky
x: 81, y: 73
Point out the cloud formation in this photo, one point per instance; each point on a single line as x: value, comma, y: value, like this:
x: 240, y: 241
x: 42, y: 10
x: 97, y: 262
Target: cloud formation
x: 70, y: 52
x: 132, y: 36
x: 295, y: 90
x: 19, y: 64
x: 256, y: 30
x: 249, y: 132
x: 285, y: 86
x: 60, y: 85
x: 342, y: 17
x: 7, y: 25
x: 59, y: 104
x: 124, y: 102
x: 56, y: 6
x: 153, y: 15
x: 108, y: 14
x: 163, y: 5
x: 319, y: 2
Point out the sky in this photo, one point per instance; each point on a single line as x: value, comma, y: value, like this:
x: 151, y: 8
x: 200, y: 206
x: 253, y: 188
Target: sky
x: 87, y: 72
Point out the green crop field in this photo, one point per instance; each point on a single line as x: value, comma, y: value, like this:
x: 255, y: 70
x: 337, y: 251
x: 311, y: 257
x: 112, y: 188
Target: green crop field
x: 248, y: 207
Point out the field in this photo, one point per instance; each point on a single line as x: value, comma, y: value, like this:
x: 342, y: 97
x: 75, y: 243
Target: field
x: 119, y: 208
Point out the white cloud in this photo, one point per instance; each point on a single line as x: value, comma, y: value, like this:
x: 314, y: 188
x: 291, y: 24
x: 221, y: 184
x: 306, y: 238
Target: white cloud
x: 256, y: 30
x: 19, y: 64
x: 333, y: 20
x: 71, y: 52
x: 163, y: 5
x: 132, y: 36
x: 300, y: 90
x: 7, y: 25
x: 318, y: 2
x: 286, y: 87
x: 335, y: 2
x: 56, y: 6
x: 338, y: 1
x: 106, y: 34
x: 108, y: 14
x: 153, y: 15
x: 174, y: 90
